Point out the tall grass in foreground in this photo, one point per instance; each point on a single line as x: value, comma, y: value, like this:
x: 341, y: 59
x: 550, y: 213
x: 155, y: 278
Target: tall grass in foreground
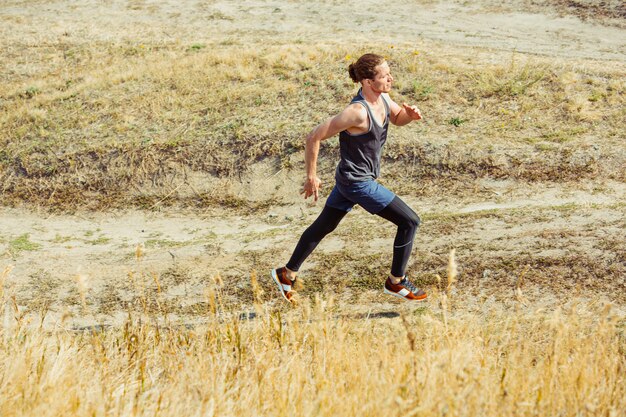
x: 318, y: 359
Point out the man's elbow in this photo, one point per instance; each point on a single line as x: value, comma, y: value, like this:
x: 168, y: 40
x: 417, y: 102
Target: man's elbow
x: 311, y: 139
x: 395, y: 118
x: 314, y: 136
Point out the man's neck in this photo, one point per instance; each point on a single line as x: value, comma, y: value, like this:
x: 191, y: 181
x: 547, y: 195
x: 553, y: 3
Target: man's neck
x: 370, y: 95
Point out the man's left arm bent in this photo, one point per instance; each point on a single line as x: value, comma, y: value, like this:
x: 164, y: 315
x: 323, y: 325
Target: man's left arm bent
x: 404, y: 115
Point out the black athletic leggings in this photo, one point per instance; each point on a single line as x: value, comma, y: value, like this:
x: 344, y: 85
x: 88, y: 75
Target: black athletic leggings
x: 396, y: 212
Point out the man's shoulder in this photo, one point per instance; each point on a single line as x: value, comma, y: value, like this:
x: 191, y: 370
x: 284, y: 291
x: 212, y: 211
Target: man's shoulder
x: 356, y: 111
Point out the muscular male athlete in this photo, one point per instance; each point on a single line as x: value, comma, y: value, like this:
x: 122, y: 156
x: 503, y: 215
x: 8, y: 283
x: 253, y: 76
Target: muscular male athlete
x: 362, y: 129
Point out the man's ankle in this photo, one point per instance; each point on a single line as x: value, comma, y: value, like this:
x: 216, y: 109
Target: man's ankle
x: 291, y: 274
x: 395, y: 280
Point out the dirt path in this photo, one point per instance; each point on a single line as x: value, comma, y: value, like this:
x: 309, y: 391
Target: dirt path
x: 503, y: 26
x: 540, y: 226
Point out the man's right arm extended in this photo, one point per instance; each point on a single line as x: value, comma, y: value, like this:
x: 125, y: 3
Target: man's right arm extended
x: 352, y: 116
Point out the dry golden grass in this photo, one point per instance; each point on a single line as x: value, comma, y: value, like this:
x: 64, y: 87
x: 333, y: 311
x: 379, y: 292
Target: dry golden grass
x: 142, y: 114
x: 319, y: 358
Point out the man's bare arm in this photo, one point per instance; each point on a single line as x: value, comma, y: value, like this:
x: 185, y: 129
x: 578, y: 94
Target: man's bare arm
x: 404, y: 115
x: 352, y: 116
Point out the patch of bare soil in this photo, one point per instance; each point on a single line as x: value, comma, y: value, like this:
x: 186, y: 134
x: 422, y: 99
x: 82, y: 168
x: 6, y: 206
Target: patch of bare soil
x: 593, y: 9
x: 564, y: 239
x: 554, y: 29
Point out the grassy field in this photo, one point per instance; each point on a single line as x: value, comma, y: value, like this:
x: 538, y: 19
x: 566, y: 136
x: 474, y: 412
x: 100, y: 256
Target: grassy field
x: 151, y: 155
x: 155, y: 115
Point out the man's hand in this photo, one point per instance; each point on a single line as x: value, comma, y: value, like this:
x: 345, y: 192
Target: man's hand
x: 412, y: 111
x: 311, y: 187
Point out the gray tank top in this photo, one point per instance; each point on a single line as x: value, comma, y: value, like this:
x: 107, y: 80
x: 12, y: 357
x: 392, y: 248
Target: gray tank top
x: 360, y: 154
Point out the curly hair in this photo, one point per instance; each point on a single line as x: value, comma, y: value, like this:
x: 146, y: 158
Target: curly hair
x: 365, y: 67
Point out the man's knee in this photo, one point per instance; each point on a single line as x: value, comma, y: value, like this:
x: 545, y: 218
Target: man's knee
x: 413, y: 221
x: 327, y: 222
x: 416, y: 220
x: 328, y: 228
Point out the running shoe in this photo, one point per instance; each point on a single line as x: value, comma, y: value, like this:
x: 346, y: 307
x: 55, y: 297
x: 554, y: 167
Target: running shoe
x: 404, y: 289
x: 279, y: 276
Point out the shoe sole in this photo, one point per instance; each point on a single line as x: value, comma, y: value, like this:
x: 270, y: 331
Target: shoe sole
x: 280, y: 286
x: 395, y: 294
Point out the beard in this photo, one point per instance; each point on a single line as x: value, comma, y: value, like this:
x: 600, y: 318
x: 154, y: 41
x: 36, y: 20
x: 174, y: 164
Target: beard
x: 382, y: 89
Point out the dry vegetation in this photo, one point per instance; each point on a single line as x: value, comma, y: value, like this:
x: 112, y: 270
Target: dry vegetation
x: 612, y: 12
x: 505, y: 359
x: 96, y: 322
x: 128, y: 125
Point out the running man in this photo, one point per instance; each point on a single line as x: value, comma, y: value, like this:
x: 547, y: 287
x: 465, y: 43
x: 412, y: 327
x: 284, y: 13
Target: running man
x: 362, y: 129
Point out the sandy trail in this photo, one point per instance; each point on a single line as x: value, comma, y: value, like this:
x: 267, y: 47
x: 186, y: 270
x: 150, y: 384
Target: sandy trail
x: 470, y: 24
x: 103, y: 244
x: 538, y: 222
